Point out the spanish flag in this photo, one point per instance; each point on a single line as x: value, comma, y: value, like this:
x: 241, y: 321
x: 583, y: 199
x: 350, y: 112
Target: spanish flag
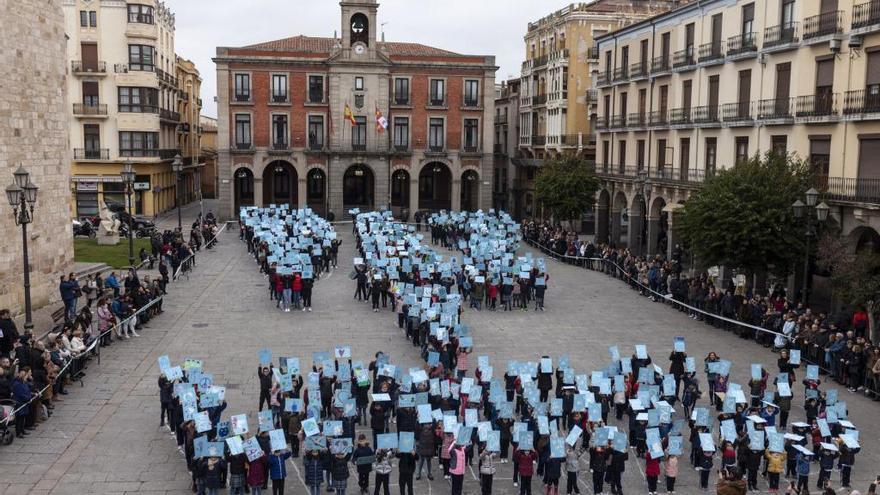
x: 348, y: 115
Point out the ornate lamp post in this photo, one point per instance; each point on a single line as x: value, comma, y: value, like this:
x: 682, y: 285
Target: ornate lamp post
x: 813, y: 215
x: 177, y: 167
x: 22, y: 196
x: 128, y: 177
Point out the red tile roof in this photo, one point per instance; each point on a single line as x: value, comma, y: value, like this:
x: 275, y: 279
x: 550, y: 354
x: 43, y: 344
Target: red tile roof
x: 312, y: 44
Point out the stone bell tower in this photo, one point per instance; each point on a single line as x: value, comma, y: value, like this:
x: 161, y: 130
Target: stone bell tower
x: 359, y: 27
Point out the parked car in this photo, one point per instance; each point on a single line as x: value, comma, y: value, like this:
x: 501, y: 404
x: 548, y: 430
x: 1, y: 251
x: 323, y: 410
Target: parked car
x: 137, y: 222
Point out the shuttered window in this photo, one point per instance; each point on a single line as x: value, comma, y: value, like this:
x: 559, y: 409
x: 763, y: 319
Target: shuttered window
x: 869, y: 165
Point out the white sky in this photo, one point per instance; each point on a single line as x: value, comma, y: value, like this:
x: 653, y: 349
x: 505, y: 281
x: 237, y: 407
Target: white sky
x: 479, y: 27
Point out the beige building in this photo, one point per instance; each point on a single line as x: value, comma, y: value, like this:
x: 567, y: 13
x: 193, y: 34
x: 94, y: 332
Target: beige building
x: 209, y: 151
x: 34, y: 133
x: 189, y: 130
x: 713, y: 82
x: 504, y: 188
x: 123, y: 86
x: 556, y: 95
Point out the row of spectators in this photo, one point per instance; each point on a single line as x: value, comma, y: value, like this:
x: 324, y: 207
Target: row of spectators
x: 837, y: 342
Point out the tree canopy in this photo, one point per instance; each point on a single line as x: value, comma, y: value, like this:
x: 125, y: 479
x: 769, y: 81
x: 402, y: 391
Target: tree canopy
x: 566, y: 187
x: 742, y: 216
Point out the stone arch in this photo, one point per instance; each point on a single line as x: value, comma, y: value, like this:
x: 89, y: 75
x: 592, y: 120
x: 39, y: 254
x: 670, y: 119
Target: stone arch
x: 280, y: 183
x: 603, y: 210
x: 470, y: 189
x: 637, y: 238
x: 358, y: 187
x: 435, y: 186
x: 243, y: 187
x: 864, y: 239
x: 400, y: 181
x: 316, y: 189
x: 658, y: 226
x: 619, y: 218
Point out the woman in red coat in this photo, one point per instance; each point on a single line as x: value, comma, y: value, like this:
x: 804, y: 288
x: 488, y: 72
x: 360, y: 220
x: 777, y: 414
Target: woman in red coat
x: 652, y: 472
x: 525, y: 466
x: 297, y: 286
x: 256, y: 474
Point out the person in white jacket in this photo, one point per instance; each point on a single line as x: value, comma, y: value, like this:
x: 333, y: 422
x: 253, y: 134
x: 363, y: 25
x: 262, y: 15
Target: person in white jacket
x: 788, y: 329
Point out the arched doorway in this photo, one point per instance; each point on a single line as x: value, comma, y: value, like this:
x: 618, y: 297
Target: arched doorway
x: 638, y: 227
x: 658, y: 227
x: 470, y: 191
x: 280, y: 184
x: 400, y: 194
x: 357, y: 188
x: 435, y: 187
x: 619, y: 219
x: 867, y: 241
x: 316, y: 190
x: 243, y: 190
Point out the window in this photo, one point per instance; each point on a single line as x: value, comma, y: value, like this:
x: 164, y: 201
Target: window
x: 141, y: 57
x: 90, y: 93
x: 88, y: 18
x: 438, y: 92
x: 138, y: 144
x: 471, y: 135
x: 86, y: 198
x: 401, y: 91
x: 401, y: 133
x: 93, y: 18
x: 640, y: 154
x: 621, y: 156
x: 138, y: 100
x: 316, y: 89
x: 711, y: 155
x: 279, y: 88
x: 742, y: 149
x: 471, y: 93
x: 748, y: 19
x: 242, y: 87
x: 359, y: 134
x: 243, y: 131
x: 684, y: 163
x: 661, y: 154
x: 279, y: 132
x: 359, y: 83
x: 92, y: 141
x: 316, y: 132
x: 779, y: 144
x: 114, y: 193
x: 820, y: 155
x: 606, y: 151
x: 436, y: 136
x: 141, y: 14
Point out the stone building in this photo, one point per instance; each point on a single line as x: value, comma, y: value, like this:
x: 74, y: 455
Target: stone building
x: 34, y: 133
x: 189, y: 129
x: 126, y: 99
x: 505, y: 188
x: 711, y: 83
x: 209, y: 151
x: 285, y: 136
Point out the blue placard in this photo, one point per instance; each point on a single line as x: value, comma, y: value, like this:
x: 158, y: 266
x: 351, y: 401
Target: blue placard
x: 756, y: 440
x: 794, y: 357
x: 675, y: 445
x: 812, y: 372
x: 678, y: 344
x: 690, y: 365
x: 386, y: 441
x: 557, y: 447
x: 265, y: 356
x: 406, y: 441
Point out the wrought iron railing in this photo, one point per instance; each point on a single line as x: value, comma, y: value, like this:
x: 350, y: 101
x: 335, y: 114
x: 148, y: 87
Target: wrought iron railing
x: 660, y: 64
x: 711, y: 51
x: 820, y: 105
x: 88, y: 109
x: 866, y: 14
x: 683, y: 58
x: 91, y: 154
x: 742, y: 43
x: 782, y: 34
x: 737, y: 111
x: 824, y: 24
x: 776, y: 108
x: 861, y: 101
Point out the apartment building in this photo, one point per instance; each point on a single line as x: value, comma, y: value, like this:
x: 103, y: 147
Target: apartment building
x: 711, y: 83
x: 189, y: 128
x: 123, y: 88
x: 556, y: 93
x: 504, y: 187
x: 354, y: 122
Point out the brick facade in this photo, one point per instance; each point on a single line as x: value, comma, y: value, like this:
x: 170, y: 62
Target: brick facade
x: 34, y: 133
x: 299, y: 172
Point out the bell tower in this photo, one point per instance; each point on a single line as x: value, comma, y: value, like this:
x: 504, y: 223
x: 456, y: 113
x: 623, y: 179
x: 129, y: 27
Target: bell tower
x: 359, y: 25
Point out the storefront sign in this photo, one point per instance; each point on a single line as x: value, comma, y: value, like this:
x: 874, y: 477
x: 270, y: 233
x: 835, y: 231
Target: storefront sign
x: 87, y: 187
x: 141, y: 186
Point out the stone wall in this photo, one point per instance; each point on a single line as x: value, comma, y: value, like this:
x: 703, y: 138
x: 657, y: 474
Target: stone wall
x: 34, y: 133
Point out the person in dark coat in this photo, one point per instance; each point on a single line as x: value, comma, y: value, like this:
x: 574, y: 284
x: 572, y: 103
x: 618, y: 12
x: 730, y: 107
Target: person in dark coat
x: 426, y: 443
x: 406, y: 467
x: 8, y: 333
x: 22, y: 394
x: 339, y: 472
x: 212, y: 470
x: 313, y: 470
x: 363, y: 450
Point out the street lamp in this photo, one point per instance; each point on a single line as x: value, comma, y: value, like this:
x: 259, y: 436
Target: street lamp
x: 22, y: 196
x: 177, y: 167
x: 128, y: 177
x: 813, y: 215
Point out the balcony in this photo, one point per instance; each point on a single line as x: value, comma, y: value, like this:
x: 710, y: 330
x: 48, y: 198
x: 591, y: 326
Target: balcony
x: 470, y: 149
x: 603, y: 78
x: 782, y: 37
x: 658, y: 118
x: 169, y: 115
x: 820, y: 28
x: 866, y: 17
x: 680, y: 175
x: 602, y: 123
x: 242, y: 97
x: 661, y: 65
x: 706, y: 116
x: 849, y: 189
x: 244, y: 147
x: 91, y: 154
x: 618, y: 122
x: 638, y: 71
x: 279, y: 98
x: 776, y: 111
x: 401, y: 101
x: 183, y: 95
x: 183, y: 128
x: 89, y: 110
x: 436, y: 102
x: 711, y: 53
x: 683, y: 60
x: 621, y: 74
x: 471, y: 103
x: 539, y: 140
x: 281, y: 145
x: 680, y: 117
x: 570, y: 140
x: 738, y: 113
x: 816, y: 108
x: 619, y: 171
x: 316, y: 144
x: 742, y: 46
x: 539, y: 100
x: 80, y: 67
x: 539, y: 62
x: 557, y: 96
x: 139, y: 152
x: 525, y: 101
x: 637, y: 120
x: 433, y: 148
x: 559, y: 56
x: 856, y: 104
x: 168, y: 154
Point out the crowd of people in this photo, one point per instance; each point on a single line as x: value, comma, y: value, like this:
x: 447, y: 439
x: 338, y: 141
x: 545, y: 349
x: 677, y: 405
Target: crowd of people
x: 293, y: 249
x: 98, y: 310
x: 837, y: 342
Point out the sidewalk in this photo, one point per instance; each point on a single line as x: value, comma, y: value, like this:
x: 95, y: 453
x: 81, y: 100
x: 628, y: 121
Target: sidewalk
x: 189, y: 212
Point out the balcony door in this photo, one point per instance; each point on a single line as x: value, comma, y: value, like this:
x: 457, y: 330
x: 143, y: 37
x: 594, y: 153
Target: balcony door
x: 713, y: 97
x: 745, y: 93
x: 824, y: 85
x: 89, y: 56
x: 869, y: 166
x: 872, y: 82
x: 783, y: 88
x: 717, y: 20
